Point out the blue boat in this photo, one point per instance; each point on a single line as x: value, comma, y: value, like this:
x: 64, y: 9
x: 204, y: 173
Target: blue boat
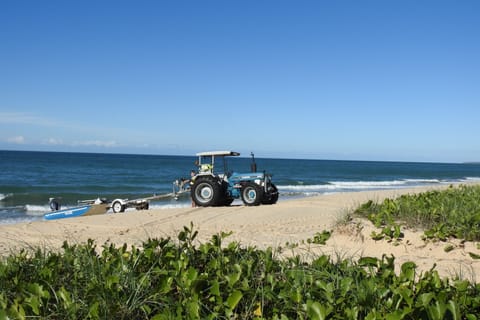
x: 93, y: 207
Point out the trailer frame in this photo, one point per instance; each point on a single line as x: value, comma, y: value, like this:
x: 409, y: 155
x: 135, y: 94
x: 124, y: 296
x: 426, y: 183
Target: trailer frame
x: 120, y: 205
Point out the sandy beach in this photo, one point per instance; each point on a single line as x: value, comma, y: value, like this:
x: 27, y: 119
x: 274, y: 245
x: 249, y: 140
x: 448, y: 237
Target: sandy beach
x: 287, y: 222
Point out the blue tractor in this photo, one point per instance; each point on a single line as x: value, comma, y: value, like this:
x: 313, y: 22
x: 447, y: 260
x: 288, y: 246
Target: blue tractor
x: 215, y: 185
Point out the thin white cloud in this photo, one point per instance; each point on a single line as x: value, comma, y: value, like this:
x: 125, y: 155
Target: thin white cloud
x: 70, y: 132
x: 16, y: 140
x: 96, y: 143
x: 33, y: 120
x: 53, y: 142
x: 25, y: 118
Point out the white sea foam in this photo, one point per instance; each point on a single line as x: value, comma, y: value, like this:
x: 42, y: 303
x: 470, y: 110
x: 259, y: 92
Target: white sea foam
x: 4, y: 196
x: 367, y: 184
x: 423, y: 181
x: 36, y: 208
x: 339, y: 186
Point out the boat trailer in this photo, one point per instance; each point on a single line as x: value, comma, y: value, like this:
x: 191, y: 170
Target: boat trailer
x: 102, y: 205
x: 120, y: 205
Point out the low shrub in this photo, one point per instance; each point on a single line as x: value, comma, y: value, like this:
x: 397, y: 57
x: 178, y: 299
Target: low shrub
x: 454, y: 212
x: 166, y: 279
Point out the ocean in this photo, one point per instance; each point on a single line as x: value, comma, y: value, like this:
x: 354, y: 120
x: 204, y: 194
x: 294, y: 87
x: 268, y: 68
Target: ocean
x: 29, y: 179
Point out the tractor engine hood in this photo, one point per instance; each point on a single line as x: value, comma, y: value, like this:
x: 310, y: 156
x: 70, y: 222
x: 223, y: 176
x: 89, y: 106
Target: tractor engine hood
x: 247, y: 176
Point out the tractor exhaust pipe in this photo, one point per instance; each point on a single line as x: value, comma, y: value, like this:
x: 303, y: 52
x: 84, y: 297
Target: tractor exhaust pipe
x: 253, y: 165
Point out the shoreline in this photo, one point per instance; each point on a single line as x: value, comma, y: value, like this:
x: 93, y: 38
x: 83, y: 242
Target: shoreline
x: 287, y: 222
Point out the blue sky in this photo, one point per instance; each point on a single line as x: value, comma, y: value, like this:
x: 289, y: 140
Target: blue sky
x: 360, y: 80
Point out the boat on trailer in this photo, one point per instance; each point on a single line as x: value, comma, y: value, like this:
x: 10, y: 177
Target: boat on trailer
x: 101, y: 206
x: 85, y: 208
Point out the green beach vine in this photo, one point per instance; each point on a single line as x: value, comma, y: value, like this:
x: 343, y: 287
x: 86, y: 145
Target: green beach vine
x: 454, y: 212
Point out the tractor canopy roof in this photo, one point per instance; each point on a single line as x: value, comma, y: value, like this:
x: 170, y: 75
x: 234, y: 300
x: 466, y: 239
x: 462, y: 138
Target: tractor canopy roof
x: 217, y: 153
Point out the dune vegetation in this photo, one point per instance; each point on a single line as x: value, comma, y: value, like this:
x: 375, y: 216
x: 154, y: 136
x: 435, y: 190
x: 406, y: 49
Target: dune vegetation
x: 454, y: 212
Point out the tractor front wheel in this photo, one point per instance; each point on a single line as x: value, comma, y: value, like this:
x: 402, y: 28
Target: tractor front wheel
x: 252, y: 194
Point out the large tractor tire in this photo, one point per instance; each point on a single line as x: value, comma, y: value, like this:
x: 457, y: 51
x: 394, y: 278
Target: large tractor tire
x: 227, y: 199
x: 271, y: 197
x: 252, y: 194
x: 206, y: 192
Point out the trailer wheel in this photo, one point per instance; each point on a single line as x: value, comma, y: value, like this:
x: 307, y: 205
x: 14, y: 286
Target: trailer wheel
x: 117, y: 207
x: 143, y: 206
x: 206, y: 192
x: 252, y: 194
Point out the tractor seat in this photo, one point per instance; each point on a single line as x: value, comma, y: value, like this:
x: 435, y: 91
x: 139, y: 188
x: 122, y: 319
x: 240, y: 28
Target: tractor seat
x: 206, y: 168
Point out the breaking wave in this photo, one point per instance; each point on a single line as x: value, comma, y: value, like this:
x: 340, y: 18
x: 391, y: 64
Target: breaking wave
x: 344, y: 186
x: 4, y: 196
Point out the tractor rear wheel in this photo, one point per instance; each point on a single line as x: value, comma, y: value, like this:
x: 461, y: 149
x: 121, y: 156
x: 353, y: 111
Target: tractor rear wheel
x: 252, y: 194
x: 206, y: 192
x: 226, y: 199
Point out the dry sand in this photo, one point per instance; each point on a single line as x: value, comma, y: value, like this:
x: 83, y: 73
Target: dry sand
x: 287, y: 222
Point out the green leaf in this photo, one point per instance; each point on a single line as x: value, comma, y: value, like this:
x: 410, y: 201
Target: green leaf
x: 377, y: 236
x: 407, y: 295
x: 425, y: 298
x: 65, y: 296
x: 408, y: 271
x: 437, y: 311
x: 193, y: 309
x: 368, y: 261
x: 321, y: 238
x: 345, y: 286
x: 234, y: 276
x: 93, y: 310
x: 37, y: 290
x: 474, y: 255
x: 448, y: 248
x: 396, y: 315
x: 454, y: 310
x: 34, y: 303
x: 111, y: 281
x: 234, y: 299
x: 215, y: 288
x: 317, y: 311
x: 199, y: 286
